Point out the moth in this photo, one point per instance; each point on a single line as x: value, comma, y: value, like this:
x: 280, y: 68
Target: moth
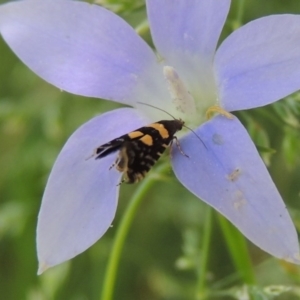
x: 140, y: 149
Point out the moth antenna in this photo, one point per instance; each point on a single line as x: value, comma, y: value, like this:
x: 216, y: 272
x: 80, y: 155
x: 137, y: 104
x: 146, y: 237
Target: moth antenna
x: 157, y: 108
x: 195, y: 135
x: 175, y: 119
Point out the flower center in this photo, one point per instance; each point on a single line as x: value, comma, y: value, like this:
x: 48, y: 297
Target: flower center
x: 189, y: 102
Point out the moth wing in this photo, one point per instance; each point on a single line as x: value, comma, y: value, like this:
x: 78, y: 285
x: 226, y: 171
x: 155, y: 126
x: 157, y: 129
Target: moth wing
x: 117, y: 143
x: 108, y: 148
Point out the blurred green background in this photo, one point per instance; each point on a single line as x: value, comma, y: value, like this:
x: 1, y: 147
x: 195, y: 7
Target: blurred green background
x: 161, y: 255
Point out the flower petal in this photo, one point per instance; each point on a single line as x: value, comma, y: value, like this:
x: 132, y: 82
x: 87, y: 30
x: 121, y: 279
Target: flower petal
x: 186, y: 33
x: 81, y: 195
x: 94, y: 53
x: 230, y: 176
x: 259, y: 63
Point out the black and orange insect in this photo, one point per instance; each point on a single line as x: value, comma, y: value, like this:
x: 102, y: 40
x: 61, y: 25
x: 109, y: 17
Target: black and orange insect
x: 140, y: 149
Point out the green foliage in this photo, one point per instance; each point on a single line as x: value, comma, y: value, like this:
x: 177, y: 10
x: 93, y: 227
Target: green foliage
x: 164, y: 249
x: 121, y: 6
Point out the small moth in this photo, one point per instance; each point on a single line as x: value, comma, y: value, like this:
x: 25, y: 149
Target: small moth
x: 140, y: 149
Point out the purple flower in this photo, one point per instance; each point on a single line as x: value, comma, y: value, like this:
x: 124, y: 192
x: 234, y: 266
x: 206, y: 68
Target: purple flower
x: 87, y: 50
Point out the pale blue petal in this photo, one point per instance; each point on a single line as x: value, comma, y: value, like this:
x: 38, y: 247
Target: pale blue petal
x: 81, y: 48
x: 81, y: 195
x: 186, y: 33
x: 259, y: 63
x: 230, y: 176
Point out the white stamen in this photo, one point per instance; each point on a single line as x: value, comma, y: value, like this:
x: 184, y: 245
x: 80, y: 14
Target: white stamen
x: 181, y: 98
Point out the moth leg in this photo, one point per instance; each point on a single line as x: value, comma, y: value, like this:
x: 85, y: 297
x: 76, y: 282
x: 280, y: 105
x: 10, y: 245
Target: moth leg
x: 112, y: 165
x: 178, y: 146
x: 122, y: 181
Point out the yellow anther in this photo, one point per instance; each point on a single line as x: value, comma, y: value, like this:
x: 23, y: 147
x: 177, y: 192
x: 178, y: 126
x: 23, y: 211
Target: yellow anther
x: 217, y: 109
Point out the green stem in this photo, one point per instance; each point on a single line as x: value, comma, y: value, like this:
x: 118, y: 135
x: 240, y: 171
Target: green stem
x: 201, y: 285
x: 123, y: 228
x: 240, y: 12
x: 238, y: 249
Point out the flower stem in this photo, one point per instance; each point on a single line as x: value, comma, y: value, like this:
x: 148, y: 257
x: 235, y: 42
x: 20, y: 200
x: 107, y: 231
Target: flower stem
x: 238, y: 250
x: 123, y: 228
x: 201, y: 288
x: 240, y: 12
